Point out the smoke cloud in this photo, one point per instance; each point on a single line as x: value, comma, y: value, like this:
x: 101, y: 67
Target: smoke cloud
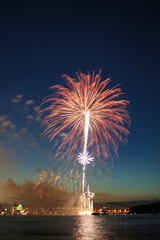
x: 25, y: 192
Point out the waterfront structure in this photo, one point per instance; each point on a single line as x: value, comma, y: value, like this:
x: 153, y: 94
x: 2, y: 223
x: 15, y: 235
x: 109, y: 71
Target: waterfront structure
x: 87, y: 202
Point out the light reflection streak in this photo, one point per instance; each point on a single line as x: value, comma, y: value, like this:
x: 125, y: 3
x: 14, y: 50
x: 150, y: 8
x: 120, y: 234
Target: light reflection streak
x: 92, y: 227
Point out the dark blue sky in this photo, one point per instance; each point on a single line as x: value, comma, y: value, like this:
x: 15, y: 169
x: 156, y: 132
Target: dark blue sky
x: 42, y: 40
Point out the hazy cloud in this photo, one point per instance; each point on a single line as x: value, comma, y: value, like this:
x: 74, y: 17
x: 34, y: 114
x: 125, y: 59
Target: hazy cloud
x: 11, y: 190
x: 5, y: 124
x: 17, y: 137
x: 8, y: 163
x: 29, y: 102
x: 37, y: 108
x: 26, y: 192
x: 34, y: 144
x: 37, y: 119
x: 29, y: 117
x: 17, y: 99
x: 3, y: 118
x: 20, y: 134
x: 8, y: 123
x: 23, y: 131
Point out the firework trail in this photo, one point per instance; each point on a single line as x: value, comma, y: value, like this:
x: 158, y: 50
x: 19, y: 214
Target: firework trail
x: 46, y: 184
x: 84, y: 158
x: 85, y: 106
x: 49, y: 182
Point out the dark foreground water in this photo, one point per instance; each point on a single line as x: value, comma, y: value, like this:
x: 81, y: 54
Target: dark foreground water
x: 131, y: 227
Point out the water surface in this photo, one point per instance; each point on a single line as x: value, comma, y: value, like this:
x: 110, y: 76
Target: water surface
x: 120, y: 227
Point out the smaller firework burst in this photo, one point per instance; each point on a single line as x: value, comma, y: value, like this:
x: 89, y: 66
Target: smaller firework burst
x: 84, y: 158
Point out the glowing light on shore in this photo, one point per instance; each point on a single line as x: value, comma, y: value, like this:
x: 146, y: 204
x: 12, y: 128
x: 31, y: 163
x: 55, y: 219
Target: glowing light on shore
x: 86, y: 213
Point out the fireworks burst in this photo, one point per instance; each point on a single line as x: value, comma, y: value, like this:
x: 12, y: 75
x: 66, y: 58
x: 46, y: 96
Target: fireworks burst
x: 85, y: 158
x: 85, y: 105
x: 84, y: 109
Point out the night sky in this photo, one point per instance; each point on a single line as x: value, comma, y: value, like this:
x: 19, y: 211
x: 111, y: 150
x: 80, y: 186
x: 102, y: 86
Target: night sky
x: 42, y: 40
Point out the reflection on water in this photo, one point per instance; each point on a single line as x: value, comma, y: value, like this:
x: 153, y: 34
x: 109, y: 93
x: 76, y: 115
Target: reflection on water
x: 91, y: 227
x: 120, y: 227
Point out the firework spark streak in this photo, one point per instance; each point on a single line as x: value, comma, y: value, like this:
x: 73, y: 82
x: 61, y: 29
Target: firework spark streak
x: 85, y: 158
x: 46, y: 184
x: 85, y: 115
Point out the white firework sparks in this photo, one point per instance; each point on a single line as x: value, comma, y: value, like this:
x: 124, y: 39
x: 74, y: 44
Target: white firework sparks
x: 84, y: 158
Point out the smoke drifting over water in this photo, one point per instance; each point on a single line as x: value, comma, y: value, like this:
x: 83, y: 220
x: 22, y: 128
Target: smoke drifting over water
x: 24, y: 192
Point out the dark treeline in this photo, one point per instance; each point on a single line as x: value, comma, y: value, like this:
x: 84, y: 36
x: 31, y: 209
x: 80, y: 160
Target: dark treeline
x: 149, y: 208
